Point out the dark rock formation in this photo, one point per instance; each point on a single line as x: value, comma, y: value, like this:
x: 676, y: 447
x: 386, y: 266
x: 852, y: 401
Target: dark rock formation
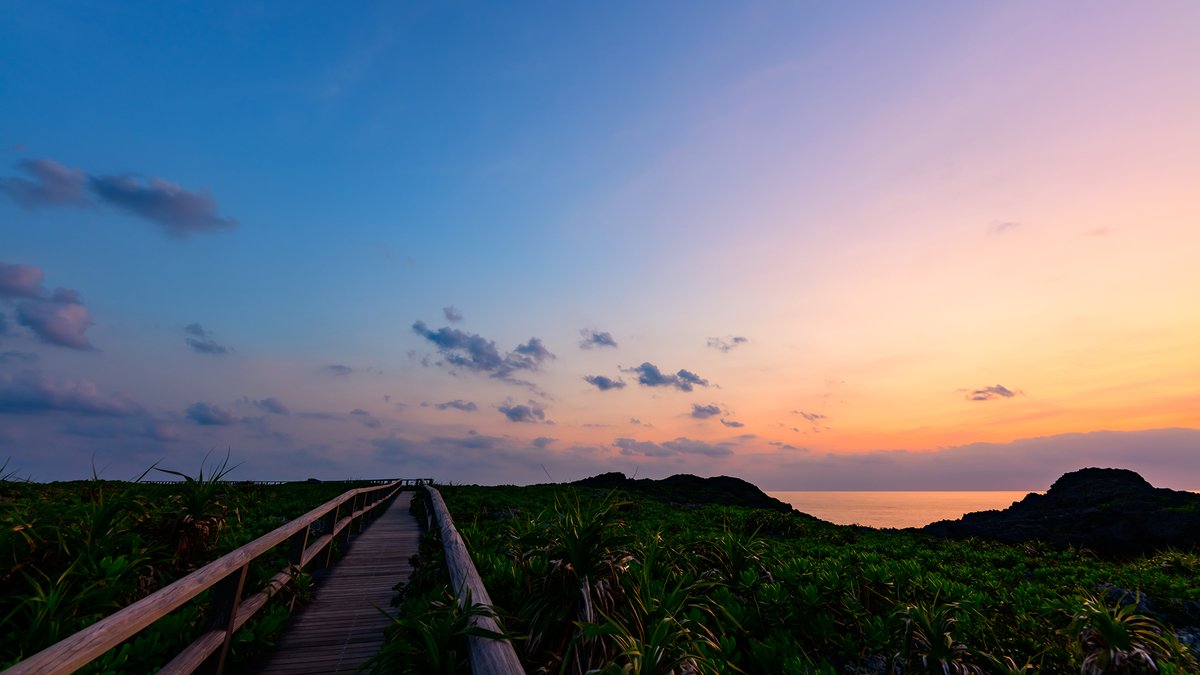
x: 688, y: 489
x: 1110, y: 511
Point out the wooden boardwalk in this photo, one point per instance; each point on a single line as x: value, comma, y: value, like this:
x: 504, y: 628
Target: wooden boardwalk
x: 342, y: 627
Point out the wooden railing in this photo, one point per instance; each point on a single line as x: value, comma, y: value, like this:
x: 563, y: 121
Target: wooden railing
x: 488, y: 656
x: 226, y: 576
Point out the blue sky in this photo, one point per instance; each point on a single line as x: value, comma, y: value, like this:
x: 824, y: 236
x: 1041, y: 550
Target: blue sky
x: 934, y: 226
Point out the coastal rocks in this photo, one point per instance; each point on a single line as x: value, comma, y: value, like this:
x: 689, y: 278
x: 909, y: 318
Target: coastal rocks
x: 688, y: 489
x: 1110, y: 511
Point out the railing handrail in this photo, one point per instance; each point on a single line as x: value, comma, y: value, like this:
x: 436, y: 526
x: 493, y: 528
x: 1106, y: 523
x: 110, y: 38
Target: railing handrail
x: 81, y: 648
x: 488, y: 656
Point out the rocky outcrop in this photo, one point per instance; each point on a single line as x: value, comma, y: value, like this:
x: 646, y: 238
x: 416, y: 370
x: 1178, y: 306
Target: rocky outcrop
x: 688, y: 489
x: 1110, y: 511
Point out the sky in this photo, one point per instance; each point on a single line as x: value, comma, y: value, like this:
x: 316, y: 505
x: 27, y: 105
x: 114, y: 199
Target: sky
x: 929, y: 245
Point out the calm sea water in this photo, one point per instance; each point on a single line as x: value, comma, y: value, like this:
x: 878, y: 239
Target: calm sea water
x: 895, y: 509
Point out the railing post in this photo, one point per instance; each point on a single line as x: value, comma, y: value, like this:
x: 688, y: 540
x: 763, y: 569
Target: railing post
x: 330, y: 522
x: 227, y: 594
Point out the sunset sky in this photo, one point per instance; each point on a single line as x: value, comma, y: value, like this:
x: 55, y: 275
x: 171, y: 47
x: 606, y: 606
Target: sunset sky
x: 934, y: 245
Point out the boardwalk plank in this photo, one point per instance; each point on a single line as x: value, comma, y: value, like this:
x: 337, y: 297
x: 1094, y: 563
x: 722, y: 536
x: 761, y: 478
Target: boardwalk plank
x: 342, y: 628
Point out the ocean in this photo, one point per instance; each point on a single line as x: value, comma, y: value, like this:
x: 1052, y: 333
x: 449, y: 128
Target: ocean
x: 895, y: 509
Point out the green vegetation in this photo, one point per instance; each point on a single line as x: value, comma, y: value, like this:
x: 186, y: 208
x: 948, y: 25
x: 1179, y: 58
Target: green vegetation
x: 72, y: 553
x: 588, y: 580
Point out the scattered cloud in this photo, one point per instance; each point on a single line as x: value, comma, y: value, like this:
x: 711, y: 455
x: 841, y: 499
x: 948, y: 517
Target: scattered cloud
x: 679, y: 446
x: 990, y: 393
x: 649, y: 375
x: 202, y: 342
x: 732, y: 423
x: 595, y: 338
x: 273, y: 406
x: 59, y: 320
x: 181, y: 212
x: 32, y: 392
x: 604, y: 383
x: 703, y: 412
x: 726, y: 344
x: 20, y: 281
x: 365, y: 417
x: 543, y: 441
x: 810, y: 416
x: 208, y: 414
x: 476, y: 353
x: 338, y: 369
x: 457, y: 404
x: 452, y: 314
x: 523, y: 413
x: 50, y: 184
x: 997, y: 227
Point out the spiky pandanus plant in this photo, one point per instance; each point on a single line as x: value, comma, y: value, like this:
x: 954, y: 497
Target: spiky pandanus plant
x: 930, y: 641
x: 574, y: 560
x: 198, y: 511
x: 1115, y: 639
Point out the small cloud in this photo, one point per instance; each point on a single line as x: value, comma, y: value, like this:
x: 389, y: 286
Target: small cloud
x: 207, y: 414
x: 997, y: 227
x: 523, y: 413
x: 476, y: 353
x: 726, y: 344
x: 52, y: 184
x: 703, y: 412
x: 457, y: 404
x: 202, y: 341
x: 595, y: 338
x: 181, y: 212
x: 338, y: 369
x: 604, y: 383
x: 273, y: 406
x: 59, y: 320
x: 810, y: 416
x: 20, y: 281
x: 452, y: 314
x: 991, y: 393
x: 679, y: 446
x: 650, y: 376
x: 543, y: 441
x: 365, y: 417
x: 732, y: 423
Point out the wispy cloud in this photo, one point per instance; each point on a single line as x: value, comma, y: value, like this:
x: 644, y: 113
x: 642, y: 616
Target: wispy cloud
x: 596, y: 338
x: 679, y: 446
x: 209, y: 414
x: 732, y: 423
x: 452, y: 314
x: 604, y: 383
x: 457, y: 404
x: 180, y: 211
x: 49, y: 184
x: 997, y: 227
x: 338, y: 369
x: 32, y: 392
x: 990, y: 393
x: 649, y: 375
x: 726, y: 344
x: 273, y: 406
x: 201, y: 340
x: 703, y: 412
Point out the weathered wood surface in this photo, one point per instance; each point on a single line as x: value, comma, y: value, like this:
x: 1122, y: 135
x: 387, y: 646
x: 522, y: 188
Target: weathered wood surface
x: 79, y: 649
x: 343, y: 626
x: 488, y: 657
